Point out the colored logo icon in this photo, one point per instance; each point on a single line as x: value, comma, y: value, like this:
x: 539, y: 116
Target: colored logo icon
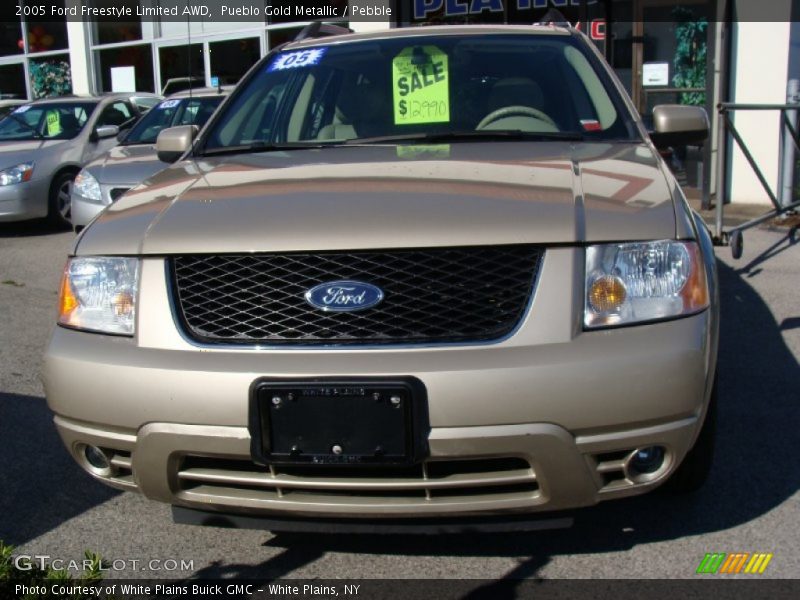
x: 738, y: 562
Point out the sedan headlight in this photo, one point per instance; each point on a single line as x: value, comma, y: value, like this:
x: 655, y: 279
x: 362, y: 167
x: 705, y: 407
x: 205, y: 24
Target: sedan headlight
x: 16, y: 174
x: 99, y: 294
x: 643, y: 281
x: 86, y: 185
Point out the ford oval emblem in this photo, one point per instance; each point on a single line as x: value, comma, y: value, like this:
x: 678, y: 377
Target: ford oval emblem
x: 344, y: 296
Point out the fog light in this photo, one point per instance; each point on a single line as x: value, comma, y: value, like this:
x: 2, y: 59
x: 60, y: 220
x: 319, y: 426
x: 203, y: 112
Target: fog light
x: 96, y: 458
x: 648, y: 460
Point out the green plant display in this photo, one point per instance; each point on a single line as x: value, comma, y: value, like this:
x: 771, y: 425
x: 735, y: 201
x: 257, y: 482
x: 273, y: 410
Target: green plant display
x: 689, y: 64
x: 50, y: 78
x: 10, y: 577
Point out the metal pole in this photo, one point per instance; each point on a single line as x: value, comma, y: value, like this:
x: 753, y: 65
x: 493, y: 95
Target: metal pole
x: 721, y: 172
x: 787, y: 150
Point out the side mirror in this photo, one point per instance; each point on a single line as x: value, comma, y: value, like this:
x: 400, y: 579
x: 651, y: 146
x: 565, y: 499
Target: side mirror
x: 678, y: 125
x: 106, y: 131
x: 174, y: 142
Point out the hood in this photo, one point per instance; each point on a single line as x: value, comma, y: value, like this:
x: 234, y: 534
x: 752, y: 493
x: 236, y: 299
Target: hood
x: 389, y: 197
x: 126, y: 165
x: 14, y: 153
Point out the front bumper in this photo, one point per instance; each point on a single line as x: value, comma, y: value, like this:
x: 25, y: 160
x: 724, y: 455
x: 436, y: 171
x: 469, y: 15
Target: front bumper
x: 24, y: 201
x: 208, y: 467
x: 544, y: 420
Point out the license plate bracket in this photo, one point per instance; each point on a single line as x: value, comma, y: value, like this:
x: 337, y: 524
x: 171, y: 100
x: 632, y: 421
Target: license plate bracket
x: 353, y: 422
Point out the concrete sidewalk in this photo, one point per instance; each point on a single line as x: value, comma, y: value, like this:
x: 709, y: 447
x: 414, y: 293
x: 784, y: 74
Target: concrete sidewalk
x: 737, y: 213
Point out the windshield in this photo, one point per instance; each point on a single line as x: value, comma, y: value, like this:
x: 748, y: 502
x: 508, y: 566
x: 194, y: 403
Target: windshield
x: 171, y: 113
x: 424, y: 87
x: 51, y: 121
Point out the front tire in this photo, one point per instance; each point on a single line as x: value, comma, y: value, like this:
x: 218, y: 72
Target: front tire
x: 59, y: 209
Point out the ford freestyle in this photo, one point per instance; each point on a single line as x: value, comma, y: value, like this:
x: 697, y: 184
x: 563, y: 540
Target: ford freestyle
x: 425, y: 274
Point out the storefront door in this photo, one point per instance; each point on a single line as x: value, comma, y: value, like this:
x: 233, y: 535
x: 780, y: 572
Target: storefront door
x: 669, y: 55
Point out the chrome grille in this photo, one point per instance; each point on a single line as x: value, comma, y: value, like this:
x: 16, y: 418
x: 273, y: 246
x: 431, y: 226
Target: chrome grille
x: 430, y: 295
x: 431, y: 481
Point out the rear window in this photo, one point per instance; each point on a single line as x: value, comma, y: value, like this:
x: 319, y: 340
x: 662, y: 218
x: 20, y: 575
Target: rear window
x: 541, y: 84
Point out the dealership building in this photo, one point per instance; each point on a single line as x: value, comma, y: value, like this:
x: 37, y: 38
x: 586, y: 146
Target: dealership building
x: 664, y: 51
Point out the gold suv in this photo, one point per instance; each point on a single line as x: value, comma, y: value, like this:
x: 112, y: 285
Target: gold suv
x: 431, y: 274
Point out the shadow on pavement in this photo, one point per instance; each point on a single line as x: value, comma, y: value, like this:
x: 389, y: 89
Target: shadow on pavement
x: 754, y: 470
x: 41, y: 485
x: 33, y: 228
x: 753, y: 268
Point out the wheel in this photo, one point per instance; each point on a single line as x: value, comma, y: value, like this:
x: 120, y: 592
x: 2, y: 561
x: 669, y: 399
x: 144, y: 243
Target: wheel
x: 513, y: 111
x: 696, y: 466
x: 737, y: 244
x: 60, y: 203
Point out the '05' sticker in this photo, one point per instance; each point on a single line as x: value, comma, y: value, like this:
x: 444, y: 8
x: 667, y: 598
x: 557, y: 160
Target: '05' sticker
x: 168, y: 104
x: 295, y: 60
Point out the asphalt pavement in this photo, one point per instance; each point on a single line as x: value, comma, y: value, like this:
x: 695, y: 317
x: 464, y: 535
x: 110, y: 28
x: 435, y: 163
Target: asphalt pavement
x: 49, y: 506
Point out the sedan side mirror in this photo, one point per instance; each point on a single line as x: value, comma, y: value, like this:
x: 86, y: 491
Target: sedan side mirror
x: 174, y: 142
x: 678, y: 125
x: 106, y: 131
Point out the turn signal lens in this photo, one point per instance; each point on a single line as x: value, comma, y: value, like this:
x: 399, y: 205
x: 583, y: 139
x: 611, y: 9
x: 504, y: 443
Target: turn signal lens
x: 99, y: 294
x: 607, y: 294
x: 66, y: 299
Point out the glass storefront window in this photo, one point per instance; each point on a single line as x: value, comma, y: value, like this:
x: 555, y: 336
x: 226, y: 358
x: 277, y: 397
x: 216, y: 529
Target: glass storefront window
x: 110, y: 30
x: 50, y: 76
x: 45, y: 34
x: 44, y: 37
x: 12, y: 81
x: 284, y: 12
x: 231, y: 59
x: 276, y: 37
x: 139, y: 57
x: 181, y: 62
x: 10, y: 36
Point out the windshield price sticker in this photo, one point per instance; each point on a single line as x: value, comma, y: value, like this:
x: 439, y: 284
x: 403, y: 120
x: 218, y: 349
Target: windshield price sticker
x: 53, y: 123
x: 421, y: 86
x: 295, y: 60
x: 22, y: 109
x: 168, y: 104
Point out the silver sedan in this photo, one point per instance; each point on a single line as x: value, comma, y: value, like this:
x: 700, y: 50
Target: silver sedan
x: 43, y: 145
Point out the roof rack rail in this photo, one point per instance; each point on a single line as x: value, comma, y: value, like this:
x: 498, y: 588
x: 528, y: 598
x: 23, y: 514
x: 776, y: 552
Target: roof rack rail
x: 317, y: 29
x: 554, y: 17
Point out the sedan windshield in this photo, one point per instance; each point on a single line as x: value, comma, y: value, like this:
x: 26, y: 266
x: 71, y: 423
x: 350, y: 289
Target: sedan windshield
x: 171, y: 113
x: 424, y: 88
x: 46, y: 121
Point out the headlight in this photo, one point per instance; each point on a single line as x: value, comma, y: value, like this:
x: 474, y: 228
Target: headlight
x: 99, y: 294
x: 86, y: 185
x: 18, y: 174
x: 643, y: 281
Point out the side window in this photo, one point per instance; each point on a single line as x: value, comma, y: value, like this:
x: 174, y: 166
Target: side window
x: 251, y: 118
x: 64, y: 122
x: 117, y: 114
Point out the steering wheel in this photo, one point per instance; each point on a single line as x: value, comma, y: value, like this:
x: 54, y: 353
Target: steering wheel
x: 509, y: 111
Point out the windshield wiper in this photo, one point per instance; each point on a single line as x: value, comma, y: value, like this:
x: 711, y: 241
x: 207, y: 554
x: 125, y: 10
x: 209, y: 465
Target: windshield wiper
x: 25, y: 124
x: 261, y: 147
x: 467, y: 136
